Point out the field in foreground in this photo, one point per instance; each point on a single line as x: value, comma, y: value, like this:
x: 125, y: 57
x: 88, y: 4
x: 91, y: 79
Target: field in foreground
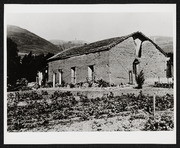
x: 123, y: 122
x: 63, y: 111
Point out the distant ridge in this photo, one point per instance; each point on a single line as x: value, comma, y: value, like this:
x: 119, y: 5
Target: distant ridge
x: 28, y: 41
x: 166, y: 43
x: 104, y: 45
x: 68, y: 44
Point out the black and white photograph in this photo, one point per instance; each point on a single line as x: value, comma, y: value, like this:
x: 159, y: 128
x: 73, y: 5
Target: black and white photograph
x: 90, y: 73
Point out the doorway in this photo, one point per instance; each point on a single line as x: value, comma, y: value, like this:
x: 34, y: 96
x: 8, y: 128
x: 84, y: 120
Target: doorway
x: 136, y: 67
x: 91, y: 72
x: 130, y: 77
x: 60, y: 76
x: 73, y: 75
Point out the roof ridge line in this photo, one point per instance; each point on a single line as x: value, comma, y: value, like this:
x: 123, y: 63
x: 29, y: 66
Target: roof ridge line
x: 102, y: 45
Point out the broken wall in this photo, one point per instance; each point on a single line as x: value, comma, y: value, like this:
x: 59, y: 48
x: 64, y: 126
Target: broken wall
x: 152, y: 62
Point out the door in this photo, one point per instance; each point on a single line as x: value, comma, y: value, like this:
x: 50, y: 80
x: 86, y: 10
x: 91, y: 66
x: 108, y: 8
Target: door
x: 136, y: 67
x: 90, y: 72
x: 73, y: 75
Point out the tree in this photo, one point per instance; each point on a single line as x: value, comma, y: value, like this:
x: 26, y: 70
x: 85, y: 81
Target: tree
x: 140, y: 79
x: 28, y: 68
x: 31, y: 64
x: 13, y: 62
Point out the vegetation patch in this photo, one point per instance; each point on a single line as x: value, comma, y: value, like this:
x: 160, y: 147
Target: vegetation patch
x: 32, y: 110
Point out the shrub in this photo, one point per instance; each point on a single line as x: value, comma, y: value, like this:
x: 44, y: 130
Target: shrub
x: 140, y: 79
x: 90, y: 83
x: 21, y: 84
x: 102, y: 83
x: 22, y: 81
x: 25, y: 88
x: 63, y: 83
x: 165, y: 123
x: 43, y: 92
x: 80, y: 84
x: 49, y: 84
x: 71, y: 85
x: 64, y: 105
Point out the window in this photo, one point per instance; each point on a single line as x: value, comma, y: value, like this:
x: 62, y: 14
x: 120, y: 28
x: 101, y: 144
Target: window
x: 169, y: 69
x: 73, y: 75
x: 91, y: 72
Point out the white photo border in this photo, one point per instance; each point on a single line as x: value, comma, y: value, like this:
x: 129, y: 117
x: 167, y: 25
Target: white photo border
x: 139, y: 137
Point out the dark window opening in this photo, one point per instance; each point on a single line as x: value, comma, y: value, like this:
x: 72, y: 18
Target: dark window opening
x: 169, y: 69
x: 130, y: 77
x: 73, y: 75
x: 135, y: 66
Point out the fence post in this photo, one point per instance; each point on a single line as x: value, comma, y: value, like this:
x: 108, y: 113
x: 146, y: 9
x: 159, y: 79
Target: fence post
x: 154, y: 104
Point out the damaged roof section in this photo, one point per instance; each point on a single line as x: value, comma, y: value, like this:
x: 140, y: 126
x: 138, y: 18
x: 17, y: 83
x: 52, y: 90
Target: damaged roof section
x: 102, y: 45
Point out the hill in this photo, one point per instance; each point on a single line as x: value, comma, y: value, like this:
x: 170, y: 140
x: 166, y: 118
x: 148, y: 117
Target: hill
x: 28, y: 41
x: 166, y: 43
x: 68, y: 44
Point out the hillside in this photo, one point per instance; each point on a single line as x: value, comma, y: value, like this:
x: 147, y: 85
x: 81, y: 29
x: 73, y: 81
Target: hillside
x: 68, y: 44
x: 166, y: 43
x: 28, y: 41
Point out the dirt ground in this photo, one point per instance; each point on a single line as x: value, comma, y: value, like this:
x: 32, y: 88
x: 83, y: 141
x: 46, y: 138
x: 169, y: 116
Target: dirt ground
x: 123, y: 122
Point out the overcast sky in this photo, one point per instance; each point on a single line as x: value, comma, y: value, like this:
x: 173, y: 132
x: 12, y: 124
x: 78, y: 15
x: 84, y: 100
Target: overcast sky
x: 92, y: 26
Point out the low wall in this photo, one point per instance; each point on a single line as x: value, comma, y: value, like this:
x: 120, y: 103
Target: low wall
x: 99, y: 92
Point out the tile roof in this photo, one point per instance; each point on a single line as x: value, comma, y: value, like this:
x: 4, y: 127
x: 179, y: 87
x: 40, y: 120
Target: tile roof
x: 99, y: 46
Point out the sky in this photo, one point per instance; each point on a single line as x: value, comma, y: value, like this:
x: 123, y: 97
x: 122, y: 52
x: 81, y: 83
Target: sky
x: 93, y: 26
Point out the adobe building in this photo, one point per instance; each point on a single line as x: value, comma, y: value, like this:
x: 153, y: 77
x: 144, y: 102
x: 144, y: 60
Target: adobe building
x: 116, y: 60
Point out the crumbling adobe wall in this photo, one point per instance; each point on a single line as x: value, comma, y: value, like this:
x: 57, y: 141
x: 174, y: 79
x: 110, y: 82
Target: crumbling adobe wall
x: 100, y: 60
x: 153, y: 63
x: 121, y: 59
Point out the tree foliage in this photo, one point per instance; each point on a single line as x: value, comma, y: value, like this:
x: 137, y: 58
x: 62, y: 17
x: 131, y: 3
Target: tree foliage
x: 13, y: 62
x: 31, y: 64
x: 27, y: 67
x: 140, y: 79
